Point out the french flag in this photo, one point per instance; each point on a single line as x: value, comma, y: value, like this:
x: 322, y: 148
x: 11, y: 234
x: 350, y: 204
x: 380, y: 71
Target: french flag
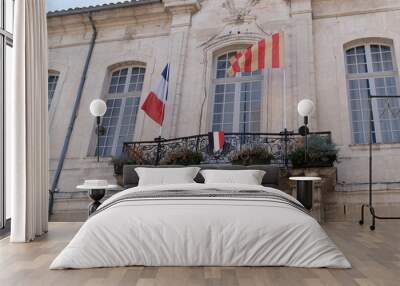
x: 154, y: 105
x: 217, y: 140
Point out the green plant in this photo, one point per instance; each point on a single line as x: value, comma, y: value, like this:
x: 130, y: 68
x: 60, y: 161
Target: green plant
x: 252, y: 155
x: 297, y: 157
x: 182, y: 156
x: 321, y: 152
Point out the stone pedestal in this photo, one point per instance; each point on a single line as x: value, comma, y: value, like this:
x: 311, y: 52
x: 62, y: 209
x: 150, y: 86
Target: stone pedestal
x: 320, y: 188
x: 318, y: 210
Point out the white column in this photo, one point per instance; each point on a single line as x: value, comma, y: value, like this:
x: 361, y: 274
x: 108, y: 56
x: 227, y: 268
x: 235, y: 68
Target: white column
x: 303, y: 66
x: 181, y: 11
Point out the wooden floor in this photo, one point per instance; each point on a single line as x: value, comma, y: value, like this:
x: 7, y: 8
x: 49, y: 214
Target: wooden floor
x: 375, y: 257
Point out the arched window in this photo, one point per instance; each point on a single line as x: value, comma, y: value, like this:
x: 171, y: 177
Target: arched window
x: 371, y: 71
x: 237, y: 100
x: 122, y: 98
x: 52, y: 84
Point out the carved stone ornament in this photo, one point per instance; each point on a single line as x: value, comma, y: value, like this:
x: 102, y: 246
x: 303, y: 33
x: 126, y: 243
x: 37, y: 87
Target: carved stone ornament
x: 239, y: 9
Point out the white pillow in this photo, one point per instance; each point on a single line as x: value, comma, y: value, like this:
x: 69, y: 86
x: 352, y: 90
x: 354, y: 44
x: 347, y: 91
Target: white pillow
x: 166, y: 176
x: 248, y: 177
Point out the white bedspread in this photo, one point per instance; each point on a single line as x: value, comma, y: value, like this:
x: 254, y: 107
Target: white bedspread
x: 200, y: 231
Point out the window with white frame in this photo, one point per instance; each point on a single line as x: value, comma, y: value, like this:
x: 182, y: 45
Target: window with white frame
x: 371, y: 71
x: 51, y: 84
x: 6, y: 65
x: 237, y: 99
x: 122, y: 98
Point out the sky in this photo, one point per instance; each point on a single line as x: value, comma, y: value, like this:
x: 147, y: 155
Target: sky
x: 66, y: 4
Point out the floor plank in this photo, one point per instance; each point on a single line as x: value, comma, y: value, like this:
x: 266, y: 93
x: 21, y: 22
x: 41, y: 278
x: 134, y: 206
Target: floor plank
x: 375, y: 257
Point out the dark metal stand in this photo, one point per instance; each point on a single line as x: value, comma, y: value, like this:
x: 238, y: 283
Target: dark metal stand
x: 98, y: 137
x: 305, y: 193
x: 369, y: 205
x: 304, y: 131
x: 100, y: 131
x: 96, y: 195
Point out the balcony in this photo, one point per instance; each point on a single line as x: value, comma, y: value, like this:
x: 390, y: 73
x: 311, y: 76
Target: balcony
x: 278, y: 145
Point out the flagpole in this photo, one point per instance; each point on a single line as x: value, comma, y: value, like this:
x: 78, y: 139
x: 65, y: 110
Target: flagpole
x: 160, y: 133
x: 165, y: 101
x: 284, y: 100
x: 265, y: 97
x: 165, y: 94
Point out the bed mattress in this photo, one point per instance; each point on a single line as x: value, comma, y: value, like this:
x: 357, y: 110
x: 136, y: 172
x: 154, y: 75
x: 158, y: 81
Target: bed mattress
x: 201, y: 225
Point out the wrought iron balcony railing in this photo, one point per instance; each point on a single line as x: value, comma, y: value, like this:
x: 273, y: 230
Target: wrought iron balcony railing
x: 279, y: 145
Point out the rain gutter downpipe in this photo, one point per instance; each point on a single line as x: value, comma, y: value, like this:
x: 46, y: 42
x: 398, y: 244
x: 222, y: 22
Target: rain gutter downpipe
x: 54, y: 185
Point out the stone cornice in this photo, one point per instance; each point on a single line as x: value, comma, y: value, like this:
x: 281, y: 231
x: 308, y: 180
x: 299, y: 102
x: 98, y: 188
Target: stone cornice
x: 353, y: 13
x: 154, y: 11
x: 115, y: 17
x: 182, y: 6
x: 101, y: 7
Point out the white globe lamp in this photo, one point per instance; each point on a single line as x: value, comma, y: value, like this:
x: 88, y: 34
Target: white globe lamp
x: 305, y: 107
x: 98, y: 108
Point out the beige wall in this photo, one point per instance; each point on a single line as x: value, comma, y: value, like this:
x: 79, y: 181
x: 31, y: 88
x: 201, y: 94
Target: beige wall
x: 335, y: 24
x: 189, y: 34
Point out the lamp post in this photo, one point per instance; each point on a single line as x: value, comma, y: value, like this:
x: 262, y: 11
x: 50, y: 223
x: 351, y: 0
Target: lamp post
x: 305, y: 108
x: 98, y: 108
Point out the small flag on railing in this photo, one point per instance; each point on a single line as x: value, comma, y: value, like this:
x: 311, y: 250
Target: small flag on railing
x: 217, y: 140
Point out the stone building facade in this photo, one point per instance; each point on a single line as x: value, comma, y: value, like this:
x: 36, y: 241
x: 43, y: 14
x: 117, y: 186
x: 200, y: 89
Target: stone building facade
x: 336, y: 51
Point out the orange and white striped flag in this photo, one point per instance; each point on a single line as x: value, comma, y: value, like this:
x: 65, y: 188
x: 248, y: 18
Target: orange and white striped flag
x: 266, y: 53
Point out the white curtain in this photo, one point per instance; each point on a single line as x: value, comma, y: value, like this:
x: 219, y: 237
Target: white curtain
x: 27, y: 128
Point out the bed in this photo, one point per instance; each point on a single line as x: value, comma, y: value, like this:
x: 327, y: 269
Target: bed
x: 194, y: 224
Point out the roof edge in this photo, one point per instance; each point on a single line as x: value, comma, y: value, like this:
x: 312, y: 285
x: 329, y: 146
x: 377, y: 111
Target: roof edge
x: 103, y: 7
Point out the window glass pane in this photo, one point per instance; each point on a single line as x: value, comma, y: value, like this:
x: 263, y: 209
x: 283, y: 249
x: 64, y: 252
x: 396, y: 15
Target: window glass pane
x: 351, y: 59
x: 136, y: 80
x: 223, y: 106
x: 240, y: 94
x: 375, y: 49
x: 219, y: 98
x: 388, y: 109
x: 52, y: 84
x: 381, y: 58
x: 120, y: 118
x: 359, y: 90
x: 217, y: 119
x: 127, y: 128
x: 356, y: 60
x: 352, y: 68
x: 387, y: 66
x: 227, y: 128
x: 360, y: 50
x: 223, y: 64
x: 5, y: 79
x: 9, y: 14
x: 250, y: 102
x: 118, y: 81
x: 218, y: 108
x: 109, y: 122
